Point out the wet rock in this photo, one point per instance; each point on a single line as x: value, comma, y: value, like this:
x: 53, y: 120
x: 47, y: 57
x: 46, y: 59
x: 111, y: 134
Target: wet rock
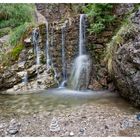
x: 2, y: 125
x: 27, y: 42
x: 21, y: 65
x: 12, y: 131
x: 126, y: 123
x: 138, y: 117
x: 13, y: 127
x: 82, y: 130
x: 106, y: 127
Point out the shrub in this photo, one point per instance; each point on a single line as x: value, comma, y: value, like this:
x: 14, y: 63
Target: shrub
x: 100, y: 15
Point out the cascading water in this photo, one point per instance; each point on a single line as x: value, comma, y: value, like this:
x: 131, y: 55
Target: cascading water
x: 48, y: 61
x: 25, y: 78
x: 82, y: 36
x: 64, y: 72
x: 52, y: 45
x: 81, y: 69
x: 35, y: 38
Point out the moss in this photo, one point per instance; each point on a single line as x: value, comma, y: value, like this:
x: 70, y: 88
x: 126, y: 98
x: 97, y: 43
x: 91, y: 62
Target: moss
x: 16, y: 51
x: 10, y: 57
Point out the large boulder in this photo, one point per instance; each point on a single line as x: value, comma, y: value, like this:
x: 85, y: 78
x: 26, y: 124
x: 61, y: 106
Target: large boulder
x: 126, y: 64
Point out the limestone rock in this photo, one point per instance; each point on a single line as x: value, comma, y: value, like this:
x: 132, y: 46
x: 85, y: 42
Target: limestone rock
x: 126, y: 67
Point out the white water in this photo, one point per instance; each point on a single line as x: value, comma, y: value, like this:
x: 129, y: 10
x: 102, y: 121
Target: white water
x: 80, y: 73
x: 64, y: 71
x: 79, y: 78
x: 47, y: 46
x: 36, y: 49
x: 52, y: 45
x: 36, y: 46
x: 25, y: 78
x: 82, y: 34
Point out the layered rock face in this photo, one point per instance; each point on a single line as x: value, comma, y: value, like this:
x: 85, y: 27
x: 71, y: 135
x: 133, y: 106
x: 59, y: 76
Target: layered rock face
x: 126, y: 64
x: 95, y: 46
x: 27, y: 59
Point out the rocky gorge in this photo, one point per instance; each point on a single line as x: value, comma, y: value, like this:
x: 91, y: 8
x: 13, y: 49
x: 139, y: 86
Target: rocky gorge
x: 65, y: 76
x: 12, y: 77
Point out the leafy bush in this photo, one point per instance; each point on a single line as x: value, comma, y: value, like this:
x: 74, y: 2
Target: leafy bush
x: 100, y: 15
x: 13, y: 15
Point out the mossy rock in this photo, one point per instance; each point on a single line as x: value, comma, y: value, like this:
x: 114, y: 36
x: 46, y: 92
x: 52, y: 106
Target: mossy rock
x: 14, y: 54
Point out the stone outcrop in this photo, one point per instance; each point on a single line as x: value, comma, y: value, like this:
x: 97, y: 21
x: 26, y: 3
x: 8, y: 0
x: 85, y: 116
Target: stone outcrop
x: 97, y: 45
x: 126, y: 63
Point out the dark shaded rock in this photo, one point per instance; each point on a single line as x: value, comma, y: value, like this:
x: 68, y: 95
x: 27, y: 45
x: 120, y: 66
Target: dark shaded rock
x: 106, y: 127
x: 126, y: 67
x: 82, y: 130
x: 13, y: 131
x: 138, y: 117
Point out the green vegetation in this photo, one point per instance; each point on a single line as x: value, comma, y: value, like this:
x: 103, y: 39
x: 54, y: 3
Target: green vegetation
x: 10, y: 57
x: 18, y: 33
x: 4, y: 31
x: 100, y: 15
x: 16, y: 51
x: 13, y: 15
x: 16, y: 19
x: 127, y: 30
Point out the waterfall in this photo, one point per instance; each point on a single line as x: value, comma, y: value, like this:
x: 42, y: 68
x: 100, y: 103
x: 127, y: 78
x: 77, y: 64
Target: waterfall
x: 64, y: 71
x: 36, y: 45
x: 48, y: 61
x: 25, y: 78
x: 81, y: 69
x: 52, y: 45
x: 82, y: 35
x: 35, y: 39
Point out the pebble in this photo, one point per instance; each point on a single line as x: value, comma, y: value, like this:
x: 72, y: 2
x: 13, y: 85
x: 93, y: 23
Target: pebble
x: 2, y: 126
x: 106, y: 127
x: 12, y: 131
x: 13, y: 121
x: 82, y: 130
x: 71, y: 134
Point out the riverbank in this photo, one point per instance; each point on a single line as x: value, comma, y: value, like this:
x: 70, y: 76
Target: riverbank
x: 109, y: 116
